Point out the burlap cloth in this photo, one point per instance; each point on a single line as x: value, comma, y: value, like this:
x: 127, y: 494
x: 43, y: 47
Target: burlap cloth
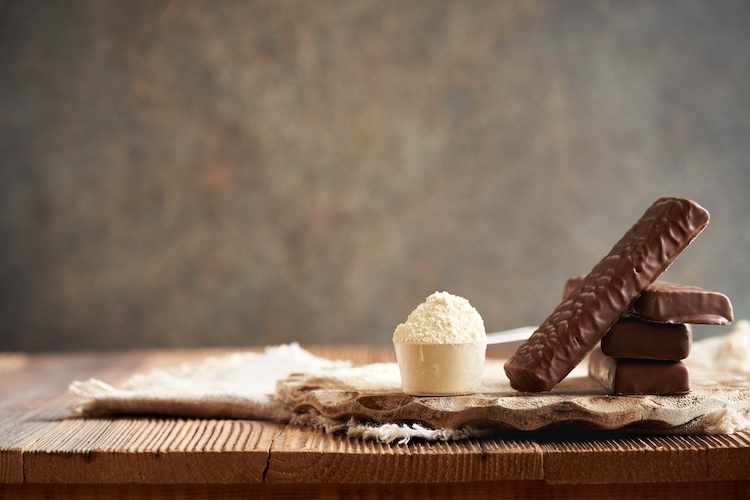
x: 290, y: 385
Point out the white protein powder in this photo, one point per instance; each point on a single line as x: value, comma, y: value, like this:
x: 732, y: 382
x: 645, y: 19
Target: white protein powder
x: 442, y: 319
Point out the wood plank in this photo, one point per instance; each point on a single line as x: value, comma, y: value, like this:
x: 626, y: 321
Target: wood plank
x: 728, y: 457
x: 510, y: 490
x: 33, y: 397
x: 299, y: 455
x: 647, y: 459
x: 14, y: 440
x: 40, y: 388
x: 39, y: 445
x: 34, y: 392
x: 166, y: 451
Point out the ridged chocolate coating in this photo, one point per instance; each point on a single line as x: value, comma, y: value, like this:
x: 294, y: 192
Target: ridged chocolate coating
x: 631, y: 376
x: 664, y: 302
x: 578, y: 323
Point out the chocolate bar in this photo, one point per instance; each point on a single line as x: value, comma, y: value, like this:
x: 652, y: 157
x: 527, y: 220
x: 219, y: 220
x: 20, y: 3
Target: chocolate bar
x: 673, y: 303
x: 571, y: 285
x: 629, y: 376
x: 665, y: 302
x: 634, y: 338
x: 579, y: 323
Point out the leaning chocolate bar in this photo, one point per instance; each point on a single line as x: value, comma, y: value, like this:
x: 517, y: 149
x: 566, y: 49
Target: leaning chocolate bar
x: 577, y: 324
x: 630, y: 376
x: 634, y: 338
x: 665, y: 302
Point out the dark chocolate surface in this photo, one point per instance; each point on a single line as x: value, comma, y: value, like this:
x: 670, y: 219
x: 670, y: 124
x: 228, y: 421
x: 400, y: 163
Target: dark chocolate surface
x: 635, y: 338
x: 579, y: 323
x: 630, y: 376
x: 665, y: 302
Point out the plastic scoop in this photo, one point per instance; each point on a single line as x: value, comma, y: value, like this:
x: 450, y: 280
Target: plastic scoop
x: 508, y: 336
x: 448, y: 369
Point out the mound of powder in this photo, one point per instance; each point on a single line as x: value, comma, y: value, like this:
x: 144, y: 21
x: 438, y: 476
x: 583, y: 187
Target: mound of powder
x: 442, y: 319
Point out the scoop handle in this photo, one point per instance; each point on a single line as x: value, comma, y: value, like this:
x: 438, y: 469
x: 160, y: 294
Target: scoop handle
x: 514, y: 335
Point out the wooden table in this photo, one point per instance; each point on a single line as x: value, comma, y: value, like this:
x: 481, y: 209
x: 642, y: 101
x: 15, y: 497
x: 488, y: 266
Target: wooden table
x: 44, y: 453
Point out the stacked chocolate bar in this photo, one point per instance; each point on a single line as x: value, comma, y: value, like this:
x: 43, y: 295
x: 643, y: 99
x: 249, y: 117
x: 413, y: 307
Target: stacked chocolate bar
x: 643, y: 351
x: 610, y: 293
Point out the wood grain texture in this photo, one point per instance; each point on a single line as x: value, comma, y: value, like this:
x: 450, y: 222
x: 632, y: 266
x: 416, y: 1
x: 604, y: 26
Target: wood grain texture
x: 46, y: 454
x: 300, y: 456
x: 647, y: 459
x: 501, y: 490
x: 33, y: 397
x: 151, y: 451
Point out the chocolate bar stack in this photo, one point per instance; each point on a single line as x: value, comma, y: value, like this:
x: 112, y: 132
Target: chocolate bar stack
x: 610, y: 294
x: 643, y: 351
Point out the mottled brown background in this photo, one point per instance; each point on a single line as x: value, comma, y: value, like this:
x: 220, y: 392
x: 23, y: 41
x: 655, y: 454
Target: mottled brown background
x: 193, y: 173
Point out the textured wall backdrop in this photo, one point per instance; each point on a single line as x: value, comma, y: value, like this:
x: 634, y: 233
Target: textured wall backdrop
x: 184, y: 173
